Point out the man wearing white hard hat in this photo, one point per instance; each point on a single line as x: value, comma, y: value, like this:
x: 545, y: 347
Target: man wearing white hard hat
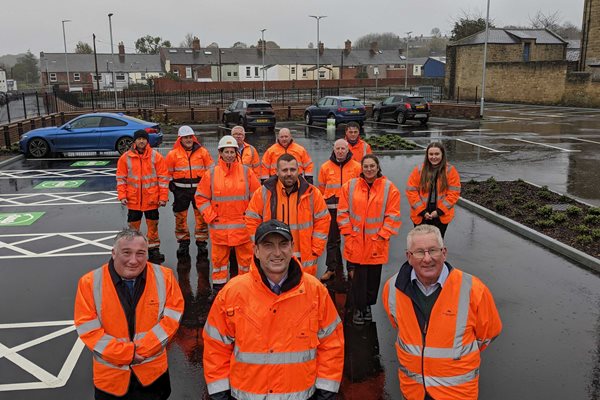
x: 187, y: 164
x: 222, y: 197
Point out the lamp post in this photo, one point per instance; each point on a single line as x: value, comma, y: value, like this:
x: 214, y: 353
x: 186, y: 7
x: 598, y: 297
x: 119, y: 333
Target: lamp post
x: 262, y: 35
x: 318, y: 19
x: 406, y: 61
x: 112, y: 54
x: 47, y: 73
x: 487, y: 36
x: 66, y: 60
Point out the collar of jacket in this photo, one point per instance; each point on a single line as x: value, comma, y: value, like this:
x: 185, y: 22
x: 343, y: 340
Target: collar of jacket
x: 228, y: 166
x: 353, y: 143
x: 134, y: 153
x: 293, y: 279
x: 116, y: 278
x: 403, y: 282
x: 288, y: 146
x: 340, y: 163
x: 303, y: 185
x: 195, y: 146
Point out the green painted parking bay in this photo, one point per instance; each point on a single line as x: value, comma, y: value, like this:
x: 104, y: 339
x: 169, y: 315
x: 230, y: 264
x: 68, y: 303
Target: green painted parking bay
x: 90, y: 163
x: 60, y: 184
x: 19, y: 219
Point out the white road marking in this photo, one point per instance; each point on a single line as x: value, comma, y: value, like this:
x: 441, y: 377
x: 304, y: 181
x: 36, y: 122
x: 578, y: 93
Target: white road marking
x: 57, y: 199
x: 584, y: 140
x: 547, y: 145
x: 78, y: 237
x: 58, y: 173
x: 483, y: 147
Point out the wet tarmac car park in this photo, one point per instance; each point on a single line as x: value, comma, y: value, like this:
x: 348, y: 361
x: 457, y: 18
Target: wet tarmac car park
x: 58, y: 218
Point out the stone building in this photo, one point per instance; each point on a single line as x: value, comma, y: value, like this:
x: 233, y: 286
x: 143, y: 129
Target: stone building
x: 590, y: 40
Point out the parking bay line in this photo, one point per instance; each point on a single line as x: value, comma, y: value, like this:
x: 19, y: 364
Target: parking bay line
x: 547, y: 145
x: 584, y: 140
x: 483, y: 147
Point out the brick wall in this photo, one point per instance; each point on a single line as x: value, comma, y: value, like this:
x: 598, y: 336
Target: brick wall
x: 581, y: 90
x: 591, y: 33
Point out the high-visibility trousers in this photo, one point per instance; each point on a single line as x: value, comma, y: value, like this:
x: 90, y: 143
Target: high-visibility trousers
x: 220, y: 260
x: 182, y: 232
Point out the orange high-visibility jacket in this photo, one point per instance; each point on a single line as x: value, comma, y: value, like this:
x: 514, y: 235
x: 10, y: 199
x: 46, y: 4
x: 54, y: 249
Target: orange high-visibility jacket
x: 258, y: 344
x: 359, y: 149
x: 333, y: 174
x: 223, y: 197
x: 304, y: 211
x: 269, y: 160
x: 102, y: 325
x: 368, y: 217
x: 463, y: 322
x: 187, y: 168
x: 142, y: 179
x: 251, y: 158
x: 445, y: 200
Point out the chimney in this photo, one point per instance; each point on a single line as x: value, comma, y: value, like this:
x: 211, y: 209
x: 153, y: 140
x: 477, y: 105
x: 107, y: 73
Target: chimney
x: 121, y: 52
x: 196, y: 44
x: 374, y: 48
x: 321, y: 48
x: 259, y: 46
x: 347, y: 47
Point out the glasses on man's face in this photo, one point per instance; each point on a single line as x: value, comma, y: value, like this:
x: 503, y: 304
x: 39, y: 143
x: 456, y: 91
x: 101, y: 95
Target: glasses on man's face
x: 420, y: 254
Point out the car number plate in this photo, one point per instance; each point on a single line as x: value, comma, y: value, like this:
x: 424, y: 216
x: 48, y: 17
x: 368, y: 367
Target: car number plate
x: 420, y: 107
x: 420, y: 115
x: 262, y: 121
x: 354, y: 111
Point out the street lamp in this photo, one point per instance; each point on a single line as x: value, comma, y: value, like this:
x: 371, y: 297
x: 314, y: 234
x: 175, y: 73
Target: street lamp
x: 406, y: 61
x: 318, y: 19
x: 66, y: 60
x: 112, y: 54
x: 47, y: 74
x: 487, y: 36
x: 262, y: 33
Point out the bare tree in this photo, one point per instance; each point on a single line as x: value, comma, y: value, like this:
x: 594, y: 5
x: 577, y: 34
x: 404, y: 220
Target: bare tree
x: 188, y: 41
x: 385, y: 41
x: 543, y: 21
x: 311, y: 45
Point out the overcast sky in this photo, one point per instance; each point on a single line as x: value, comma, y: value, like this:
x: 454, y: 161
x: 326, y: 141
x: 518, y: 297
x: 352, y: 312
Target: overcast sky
x: 36, y: 24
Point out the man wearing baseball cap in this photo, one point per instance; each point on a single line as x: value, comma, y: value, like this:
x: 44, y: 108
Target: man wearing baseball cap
x: 187, y: 163
x: 274, y: 331
x: 142, y: 186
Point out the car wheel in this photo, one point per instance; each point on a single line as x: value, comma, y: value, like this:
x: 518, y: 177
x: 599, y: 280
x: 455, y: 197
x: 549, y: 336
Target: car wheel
x: 124, y: 144
x: 424, y: 121
x: 308, y: 118
x: 401, y: 118
x: 38, y: 148
x: 376, y: 116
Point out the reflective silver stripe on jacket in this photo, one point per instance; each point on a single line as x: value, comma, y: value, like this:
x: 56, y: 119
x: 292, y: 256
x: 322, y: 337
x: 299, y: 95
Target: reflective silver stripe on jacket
x: 102, y: 361
x: 309, y: 263
x: 321, y: 214
x: 215, y: 334
x: 351, y: 188
x: 185, y: 185
x: 333, y: 185
x: 98, y: 277
x: 328, y: 330
x: 392, y: 299
x: 218, y: 386
x: 252, y: 214
x: 319, y: 235
x: 220, y: 227
x: 327, y: 384
x: 446, y: 381
x: 287, y: 357
x: 298, y: 227
x: 242, y: 395
x: 160, y: 289
x: 88, y: 326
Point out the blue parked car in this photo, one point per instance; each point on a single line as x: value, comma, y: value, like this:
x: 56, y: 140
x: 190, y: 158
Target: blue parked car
x: 89, y: 132
x: 342, y: 108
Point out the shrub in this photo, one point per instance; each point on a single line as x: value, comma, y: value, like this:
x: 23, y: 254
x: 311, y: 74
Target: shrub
x: 472, y: 181
x: 573, y: 211
x: 592, y: 219
x: 530, y: 205
x: 596, y: 233
x: 544, y: 211
x: 491, y: 181
x: 584, y: 239
x: 559, y: 217
x: 501, y: 205
x: 545, y: 194
x: 594, y: 211
x: 583, y: 229
x: 545, y: 223
x: 518, y: 199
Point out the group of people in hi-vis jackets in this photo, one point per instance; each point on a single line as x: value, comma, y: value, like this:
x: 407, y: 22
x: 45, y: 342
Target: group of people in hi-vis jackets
x: 273, y: 331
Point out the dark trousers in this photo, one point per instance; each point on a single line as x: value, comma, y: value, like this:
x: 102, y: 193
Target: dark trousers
x: 136, y: 215
x: 334, y: 254
x: 160, y: 389
x: 365, y: 284
x: 437, y: 223
x: 182, y: 198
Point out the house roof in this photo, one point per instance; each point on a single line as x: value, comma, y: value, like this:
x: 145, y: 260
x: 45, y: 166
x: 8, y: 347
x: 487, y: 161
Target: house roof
x: 511, y: 36
x: 253, y: 56
x: 441, y: 60
x: 85, y: 62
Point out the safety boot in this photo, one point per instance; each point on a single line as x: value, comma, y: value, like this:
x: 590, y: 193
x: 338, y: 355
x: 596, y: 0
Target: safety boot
x: 215, y: 291
x: 184, y: 249
x: 155, y: 256
x: 367, y: 315
x: 358, y: 317
x: 202, y: 247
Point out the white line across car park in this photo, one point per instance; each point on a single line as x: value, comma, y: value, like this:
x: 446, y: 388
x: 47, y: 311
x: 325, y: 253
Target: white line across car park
x: 546, y: 145
x: 57, y: 199
x: 57, y: 173
x: 584, y: 140
x: 72, y: 240
x: 483, y: 147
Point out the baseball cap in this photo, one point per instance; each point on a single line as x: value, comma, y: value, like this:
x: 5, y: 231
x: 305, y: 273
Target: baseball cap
x: 272, y: 226
x: 185, y: 130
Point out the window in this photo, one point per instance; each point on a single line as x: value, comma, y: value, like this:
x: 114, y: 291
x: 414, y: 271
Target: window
x: 76, y: 76
x: 96, y: 77
x: 176, y: 72
x: 293, y: 70
x: 256, y: 72
x: 403, y: 66
x: 53, y: 77
x: 188, y: 72
x: 321, y: 74
x: 304, y: 72
x: 106, y: 121
x: 228, y: 73
x: 86, y: 122
x: 526, y: 51
x: 248, y: 72
x: 120, y: 77
x: 235, y: 73
x: 143, y: 75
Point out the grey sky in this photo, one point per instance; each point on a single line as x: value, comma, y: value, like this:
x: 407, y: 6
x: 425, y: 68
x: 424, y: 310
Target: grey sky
x: 36, y: 24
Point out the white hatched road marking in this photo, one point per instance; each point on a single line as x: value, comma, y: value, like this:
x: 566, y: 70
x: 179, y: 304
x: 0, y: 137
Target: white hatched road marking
x: 57, y: 199
x: 45, y: 379
x: 57, y: 173
x: 547, y: 145
x: 77, y: 237
x: 483, y: 147
x: 584, y: 140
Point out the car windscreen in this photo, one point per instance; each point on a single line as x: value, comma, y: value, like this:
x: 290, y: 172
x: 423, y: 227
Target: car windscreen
x: 351, y: 103
x: 259, y: 105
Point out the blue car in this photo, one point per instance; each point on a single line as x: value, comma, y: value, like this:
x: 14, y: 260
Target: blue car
x: 89, y: 132
x: 342, y: 108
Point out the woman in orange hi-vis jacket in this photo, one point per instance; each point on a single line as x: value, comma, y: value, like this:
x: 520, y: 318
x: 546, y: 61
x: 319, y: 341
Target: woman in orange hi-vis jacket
x: 368, y: 216
x: 433, y: 189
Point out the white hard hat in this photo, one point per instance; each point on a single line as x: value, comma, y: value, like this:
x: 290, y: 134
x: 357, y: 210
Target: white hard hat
x: 227, y: 141
x: 185, y: 130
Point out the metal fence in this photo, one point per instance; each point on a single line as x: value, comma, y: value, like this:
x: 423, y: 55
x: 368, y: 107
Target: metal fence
x: 20, y: 106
